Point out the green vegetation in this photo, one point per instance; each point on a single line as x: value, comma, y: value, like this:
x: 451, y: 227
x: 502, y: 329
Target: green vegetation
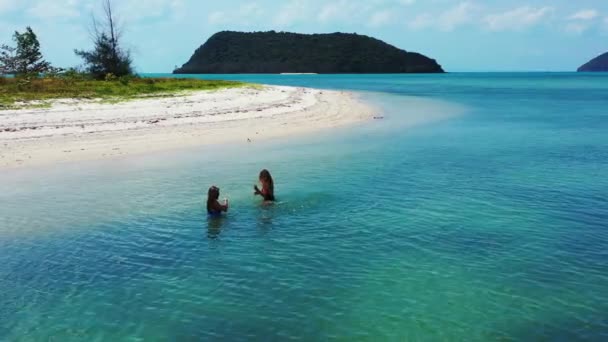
x: 108, y: 56
x: 108, y: 72
x: 25, y: 58
x: 27, y: 92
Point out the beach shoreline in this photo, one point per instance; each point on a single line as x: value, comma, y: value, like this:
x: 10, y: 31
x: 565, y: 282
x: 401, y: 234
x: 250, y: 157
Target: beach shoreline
x: 74, y: 130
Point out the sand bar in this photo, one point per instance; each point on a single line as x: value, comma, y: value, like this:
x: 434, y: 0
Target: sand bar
x: 72, y: 130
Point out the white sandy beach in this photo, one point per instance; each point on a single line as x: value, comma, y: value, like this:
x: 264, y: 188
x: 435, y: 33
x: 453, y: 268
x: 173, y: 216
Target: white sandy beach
x: 73, y: 130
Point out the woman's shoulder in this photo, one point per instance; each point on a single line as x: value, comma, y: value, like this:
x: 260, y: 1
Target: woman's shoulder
x: 213, y: 205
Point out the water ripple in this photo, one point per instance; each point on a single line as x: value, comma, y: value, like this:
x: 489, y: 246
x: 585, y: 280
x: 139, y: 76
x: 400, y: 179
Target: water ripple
x: 490, y: 226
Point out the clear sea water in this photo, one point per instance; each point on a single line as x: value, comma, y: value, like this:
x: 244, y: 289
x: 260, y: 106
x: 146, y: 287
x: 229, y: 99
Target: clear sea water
x: 476, y: 210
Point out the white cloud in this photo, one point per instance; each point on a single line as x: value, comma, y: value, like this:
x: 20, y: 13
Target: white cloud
x: 252, y: 10
x: 421, y: 21
x: 581, y: 21
x: 49, y: 9
x: 132, y: 9
x: 7, y: 5
x: 374, y: 13
x: 517, y: 19
x: 217, y: 17
x: 604, y: 26
x: 291, y: 13
x: 586, y: 14
x: 247, y: 14
x: 456, y: 16
x: 380, y: 18
x: 576, y: 28
x: 337, y: 11
x: 329, y: 12
x: 137, y: 9
x: 449, y: 20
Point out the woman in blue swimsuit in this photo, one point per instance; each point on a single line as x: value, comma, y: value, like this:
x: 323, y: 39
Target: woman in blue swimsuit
x: 214, y: 208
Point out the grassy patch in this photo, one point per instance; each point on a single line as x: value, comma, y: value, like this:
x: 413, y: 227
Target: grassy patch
x: 15, y: 92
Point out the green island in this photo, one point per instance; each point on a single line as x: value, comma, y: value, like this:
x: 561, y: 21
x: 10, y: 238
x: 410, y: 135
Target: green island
x: 272, y: 52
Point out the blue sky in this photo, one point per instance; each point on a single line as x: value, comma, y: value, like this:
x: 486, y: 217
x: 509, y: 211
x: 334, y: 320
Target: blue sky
x: 469, y: 35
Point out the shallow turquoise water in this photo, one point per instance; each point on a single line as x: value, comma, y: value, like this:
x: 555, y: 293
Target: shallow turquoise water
x: 476, y: 210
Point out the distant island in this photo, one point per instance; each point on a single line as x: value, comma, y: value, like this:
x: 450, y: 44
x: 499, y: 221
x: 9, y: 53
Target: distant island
x: 598, y: 64
x: 273, y: 52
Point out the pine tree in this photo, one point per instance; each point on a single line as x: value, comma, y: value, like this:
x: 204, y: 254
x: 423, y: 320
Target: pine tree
x: 7, y: 60
x: 25, y: 58
x: 107, y: 57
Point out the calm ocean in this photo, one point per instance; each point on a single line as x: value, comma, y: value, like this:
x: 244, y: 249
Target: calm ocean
x: 476, y: 210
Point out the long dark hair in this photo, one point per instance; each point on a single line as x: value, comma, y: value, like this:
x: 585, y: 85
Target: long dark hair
x: 212, y: 195
x: 265, y: 176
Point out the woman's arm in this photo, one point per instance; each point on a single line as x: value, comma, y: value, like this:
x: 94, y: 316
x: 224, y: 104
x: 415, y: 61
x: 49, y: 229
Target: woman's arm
x: 220, y: 207
x: 265, y: 193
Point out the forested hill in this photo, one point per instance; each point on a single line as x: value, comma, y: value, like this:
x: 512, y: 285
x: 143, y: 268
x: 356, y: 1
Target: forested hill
x: 282, y: 52
x: 599, y: 63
